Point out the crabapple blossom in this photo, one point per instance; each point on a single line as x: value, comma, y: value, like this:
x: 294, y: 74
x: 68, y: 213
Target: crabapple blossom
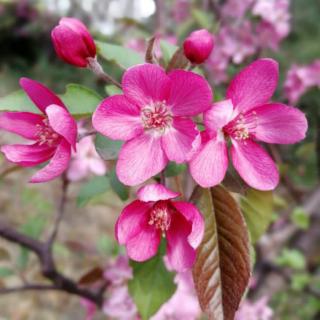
x: 143, y: 222
x: 85, y: 160
x: 54, y: 133
x: 153, y: 116
x: 73, y: 42
x: 198, y: 46
x: 300, y: 79
x: 245, y: 117
x: 258, y: 310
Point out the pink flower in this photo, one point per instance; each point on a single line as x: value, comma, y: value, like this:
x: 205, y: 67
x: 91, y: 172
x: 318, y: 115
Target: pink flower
x: 198, y: 46
x: 73, y: 42
x: 153, y: 116
x: 258, y: 310
x: 276, y: 14
x: 181, y: 10
x: 54, y: 132
x: 185, y: 296
x: 300, y: 79
x: 90, y: 308
x: 86, y: 160
x: 143, y: 222
x: 247, y: 116
x: 119, y: 304
x: 236, y: 8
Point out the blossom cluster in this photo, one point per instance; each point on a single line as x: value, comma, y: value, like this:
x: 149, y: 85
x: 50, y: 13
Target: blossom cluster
x: 240, y: 36
x: 157, y: 116
x: 300, y: 79
x: 119, y: 305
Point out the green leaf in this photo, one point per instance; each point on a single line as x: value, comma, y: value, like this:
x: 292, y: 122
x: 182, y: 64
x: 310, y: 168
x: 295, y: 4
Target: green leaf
x: 95, y: 186
x: 120, y: 189
x: 173, y: 169
x: 291, y: 258
x: 107, y: 149
x: 80, y: 101
x: 168, y: 50
x: 5, y: 272
x: 111, y: 90
x: 152, y: 285
x: 124, y: 57
x: 257, y: 208
x: 300, y: 218
x: 17, y: 101
x: 300, y: 281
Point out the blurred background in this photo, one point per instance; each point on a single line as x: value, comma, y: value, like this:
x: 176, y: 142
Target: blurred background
x: 286, y: 280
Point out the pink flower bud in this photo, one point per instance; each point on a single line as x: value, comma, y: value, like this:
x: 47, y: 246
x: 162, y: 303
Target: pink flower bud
x: 198, y: 46
x: 73, y: 42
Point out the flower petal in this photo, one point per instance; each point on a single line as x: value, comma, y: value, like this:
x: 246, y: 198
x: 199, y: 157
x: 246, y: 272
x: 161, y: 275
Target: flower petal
x: 208, y: 167
x: 62, y: 122
x: 254, y: 85
x: 180, y: 141
x: 21, y: 123
x: 193, y: 215
x: 278, y: 123
x: 40, y: 95
x: 117, y: 118
x: 27, y: 155
x: 144, y: 245
x: 130, y: 220
x: 140, y: 159
x: 145, y: 83
x: 57, y: 165
x: 218, y: 115
x: 190, y: 93
x: 181, y: 254
x: 156, y: 192
x: 254, y: 165
x: 78, y: 169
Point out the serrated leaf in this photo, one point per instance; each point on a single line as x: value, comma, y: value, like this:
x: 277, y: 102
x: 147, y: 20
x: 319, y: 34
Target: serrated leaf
x: 107, y: 149
x: 173, y: 169
x: 149, y: 52
x: 97, y: 185
x: 120, y: 189
x: 167, y: 50
x: 257, y: 208
x: 151, y: 286
x: 80, y: 101
x: 222, y: 269
x: 124, y: 57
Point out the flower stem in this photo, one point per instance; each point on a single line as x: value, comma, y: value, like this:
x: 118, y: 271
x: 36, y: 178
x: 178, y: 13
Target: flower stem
x: 97, y: 69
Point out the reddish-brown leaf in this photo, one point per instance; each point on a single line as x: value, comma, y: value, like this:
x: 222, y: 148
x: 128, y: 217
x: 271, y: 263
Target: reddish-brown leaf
x: 92, y: 276
x: 222, y: 269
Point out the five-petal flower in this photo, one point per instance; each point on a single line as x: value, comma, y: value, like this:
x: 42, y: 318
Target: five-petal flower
x: 153, y: 116
x: 143, y: 222
x: 54, y: 132
x: 247, y: 116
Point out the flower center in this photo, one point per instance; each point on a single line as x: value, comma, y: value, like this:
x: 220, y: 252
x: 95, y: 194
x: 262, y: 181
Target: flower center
x: 242, y: 126
x: 156, y: 116
x: 46, y: 135
x: 160, y: 217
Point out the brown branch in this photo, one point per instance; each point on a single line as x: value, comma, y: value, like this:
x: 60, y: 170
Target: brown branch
x: 61, y: 210
x: 28, y: 287
x: 48, y: 268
